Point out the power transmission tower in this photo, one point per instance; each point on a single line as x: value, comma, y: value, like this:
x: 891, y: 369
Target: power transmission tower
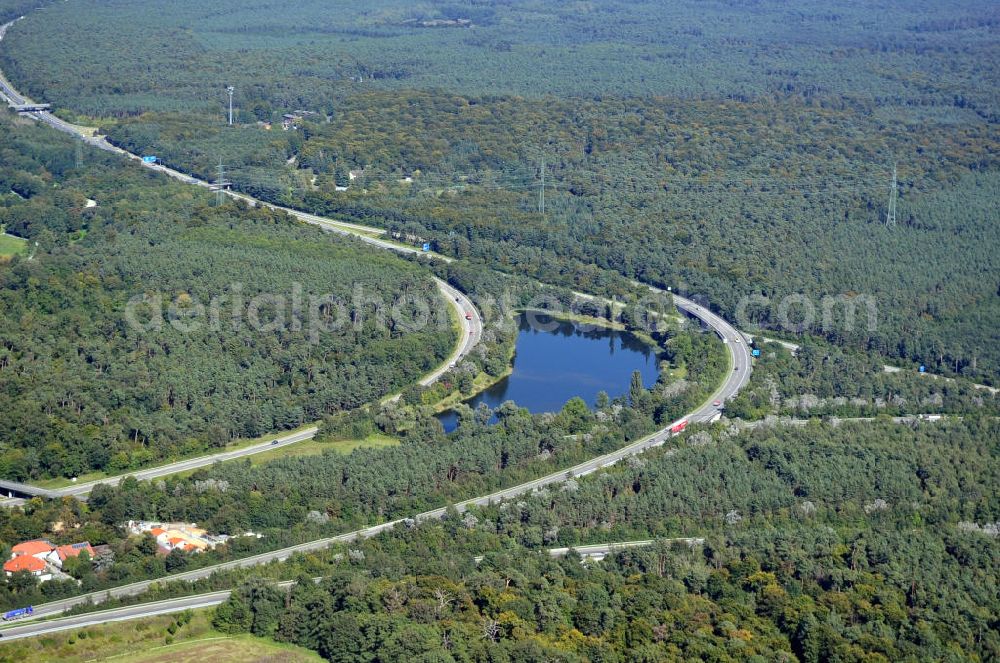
x: 230, y: 90
x: 220, y: 185
x: 890, y: 217
x: 541, y: 191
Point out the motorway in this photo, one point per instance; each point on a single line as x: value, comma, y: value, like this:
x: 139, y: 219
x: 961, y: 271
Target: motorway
x: 82, y: 489
x: 32, y: 629
x: 471, y: 331
x: 735, y: 380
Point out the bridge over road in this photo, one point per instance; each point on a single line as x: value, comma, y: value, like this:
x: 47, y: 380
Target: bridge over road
x: 14, y: 489
x: 31, y: 108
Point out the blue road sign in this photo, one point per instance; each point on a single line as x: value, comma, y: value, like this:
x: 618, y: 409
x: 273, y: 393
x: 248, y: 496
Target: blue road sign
x: 756, y: 353
x: 922, y: 369
x: 149, y: 159
x: 427, y: 246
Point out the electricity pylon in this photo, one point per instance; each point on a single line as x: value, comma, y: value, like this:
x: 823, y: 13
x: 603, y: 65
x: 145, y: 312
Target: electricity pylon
x: 890, y: 216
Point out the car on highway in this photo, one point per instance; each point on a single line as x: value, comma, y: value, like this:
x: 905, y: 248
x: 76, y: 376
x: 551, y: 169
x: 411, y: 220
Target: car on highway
x: 275, y: 441
x: 717, y: 403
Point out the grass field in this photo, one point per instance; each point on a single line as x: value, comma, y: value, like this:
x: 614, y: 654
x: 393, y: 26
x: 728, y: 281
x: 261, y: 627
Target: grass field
x: 149, y: 641
x: 314, y: 448
x: 10, y: 245
x: 62, y: 482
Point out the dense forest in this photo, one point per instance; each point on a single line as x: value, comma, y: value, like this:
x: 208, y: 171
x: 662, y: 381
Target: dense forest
x: 875, y: 542
x: 83, y: 386
x: 723, y: 160
x: 869, y: 542
x: 824, y: 380
x: 889, y: 52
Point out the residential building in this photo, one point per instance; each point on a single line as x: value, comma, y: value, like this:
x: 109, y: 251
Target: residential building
x: 29, y: 563
x: 65, y: 552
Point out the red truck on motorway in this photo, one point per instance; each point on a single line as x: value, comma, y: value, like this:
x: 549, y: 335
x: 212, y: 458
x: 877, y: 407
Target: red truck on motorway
x: 679, y: 426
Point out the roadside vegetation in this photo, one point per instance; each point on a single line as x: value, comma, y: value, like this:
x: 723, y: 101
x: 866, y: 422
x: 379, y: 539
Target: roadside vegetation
x: 11, y: 246
x: 874, y: 542
x: 822, y: 380
x: 293, y: 499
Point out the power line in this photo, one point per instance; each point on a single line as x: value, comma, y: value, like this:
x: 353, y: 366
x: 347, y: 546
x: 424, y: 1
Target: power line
x: 513, y: 182
x: 220, y: 185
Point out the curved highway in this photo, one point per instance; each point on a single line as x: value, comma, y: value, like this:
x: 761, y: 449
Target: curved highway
x: 471, y: 329
x: 735, y: 380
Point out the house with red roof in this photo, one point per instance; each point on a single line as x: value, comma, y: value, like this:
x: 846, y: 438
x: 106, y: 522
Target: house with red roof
x: 34, y: 548
x: 28, y: 563
x: 41, y: 558
x: 177, y: 543
x: 65, y: 552
x: 41, y: 549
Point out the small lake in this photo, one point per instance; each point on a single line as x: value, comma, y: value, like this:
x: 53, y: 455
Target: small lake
x: 557, y: 360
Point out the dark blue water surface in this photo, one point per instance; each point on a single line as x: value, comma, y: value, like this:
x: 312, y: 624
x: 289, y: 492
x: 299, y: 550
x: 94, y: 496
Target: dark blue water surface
x: 555, y: 360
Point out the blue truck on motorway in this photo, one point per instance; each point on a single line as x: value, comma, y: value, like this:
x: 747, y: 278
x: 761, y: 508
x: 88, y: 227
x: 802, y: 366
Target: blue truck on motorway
x: 17, y: 614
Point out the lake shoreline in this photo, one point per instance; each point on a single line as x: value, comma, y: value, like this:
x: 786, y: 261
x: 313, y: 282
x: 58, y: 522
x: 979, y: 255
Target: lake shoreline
x: 580, y: 330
